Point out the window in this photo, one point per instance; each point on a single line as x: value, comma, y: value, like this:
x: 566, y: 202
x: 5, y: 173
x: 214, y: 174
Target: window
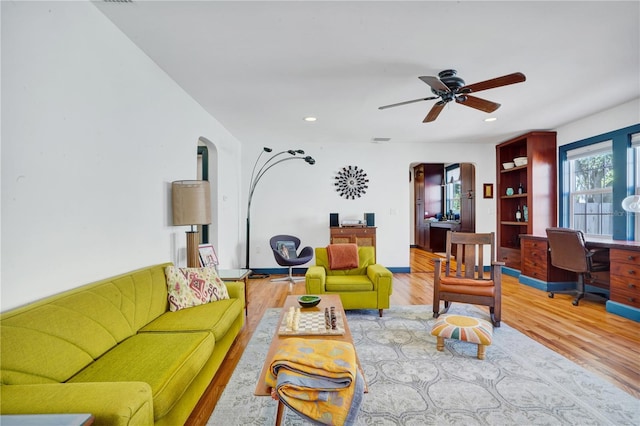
x: 591, y: 188
x: 453, y: 189
x: 595, y: 175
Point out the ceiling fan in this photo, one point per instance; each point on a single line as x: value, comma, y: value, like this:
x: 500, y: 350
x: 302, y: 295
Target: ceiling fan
x: 448, y: 87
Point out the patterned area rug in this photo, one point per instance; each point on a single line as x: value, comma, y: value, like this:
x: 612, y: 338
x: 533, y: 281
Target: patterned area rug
x: 410, y: 383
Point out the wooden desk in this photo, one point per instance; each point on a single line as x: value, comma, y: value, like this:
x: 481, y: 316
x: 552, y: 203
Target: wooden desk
x: 624, y: 274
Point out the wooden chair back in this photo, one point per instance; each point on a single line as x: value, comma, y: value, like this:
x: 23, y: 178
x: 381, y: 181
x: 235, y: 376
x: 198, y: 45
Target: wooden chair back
x: 469, y: 253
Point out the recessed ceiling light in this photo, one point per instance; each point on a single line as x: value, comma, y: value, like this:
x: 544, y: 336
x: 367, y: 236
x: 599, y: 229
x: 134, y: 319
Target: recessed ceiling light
x: 310, y: 119
x: 490, y: 119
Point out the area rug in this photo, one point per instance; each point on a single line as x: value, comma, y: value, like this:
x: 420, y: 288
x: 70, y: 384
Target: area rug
x: 410, y: 383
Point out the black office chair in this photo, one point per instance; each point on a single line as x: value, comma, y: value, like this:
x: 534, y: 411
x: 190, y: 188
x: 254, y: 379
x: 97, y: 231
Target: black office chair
x: 285, y: 251
x: 568, y: 251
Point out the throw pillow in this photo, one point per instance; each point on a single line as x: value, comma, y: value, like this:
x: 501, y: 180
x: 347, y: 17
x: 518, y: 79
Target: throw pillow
x: 189, y: 287
x: 343, y: 256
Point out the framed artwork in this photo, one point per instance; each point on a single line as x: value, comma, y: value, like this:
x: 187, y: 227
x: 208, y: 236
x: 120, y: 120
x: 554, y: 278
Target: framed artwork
x: 488, y: 190
x: 208, y: 256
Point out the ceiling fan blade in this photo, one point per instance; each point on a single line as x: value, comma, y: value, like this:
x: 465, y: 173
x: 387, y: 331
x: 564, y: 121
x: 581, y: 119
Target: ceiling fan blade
x: 477, y: 103
x: 505, y: 80
x: 435, y: 83
x: 434, y: 112
x: 408, y: 102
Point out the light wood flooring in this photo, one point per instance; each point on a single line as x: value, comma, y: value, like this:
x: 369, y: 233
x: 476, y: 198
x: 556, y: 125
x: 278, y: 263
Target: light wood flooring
x: 603, y: 343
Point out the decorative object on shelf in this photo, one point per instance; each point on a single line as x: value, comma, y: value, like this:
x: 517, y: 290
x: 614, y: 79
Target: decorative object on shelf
x: 631, y: 204
x: 351, y: 182
x: 520, y: 188
x: 520, y: 161
x: 518, y: 214
x: 508, y: 165
x: 525, y: 213
x: 256, y: 176
x: 191, y: 202
x: 487, y: 190
x: 509, y: 192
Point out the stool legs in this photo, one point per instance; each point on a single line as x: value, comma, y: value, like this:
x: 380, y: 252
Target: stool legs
x: 440, y: 347
x: 481, y: 349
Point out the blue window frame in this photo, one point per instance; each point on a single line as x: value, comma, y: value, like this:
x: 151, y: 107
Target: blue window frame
x: 617, y: 173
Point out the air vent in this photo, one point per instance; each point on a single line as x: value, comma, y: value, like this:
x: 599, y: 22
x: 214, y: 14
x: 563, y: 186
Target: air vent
x: 380, y: 140
x: 118, y: 1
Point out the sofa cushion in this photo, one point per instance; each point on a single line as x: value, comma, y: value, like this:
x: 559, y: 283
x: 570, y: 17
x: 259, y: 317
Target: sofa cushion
x: 168, y: 362
x: 216, y: 317
x: 349, y: 283
x: 189, y: 287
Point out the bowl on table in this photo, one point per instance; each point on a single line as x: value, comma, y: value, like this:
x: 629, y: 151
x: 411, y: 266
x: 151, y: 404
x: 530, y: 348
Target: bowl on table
x: 308, y: 301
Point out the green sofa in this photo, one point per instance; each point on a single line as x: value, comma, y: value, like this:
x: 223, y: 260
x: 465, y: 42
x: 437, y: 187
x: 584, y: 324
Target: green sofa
x: 113, y: 349
x: 369, y: 286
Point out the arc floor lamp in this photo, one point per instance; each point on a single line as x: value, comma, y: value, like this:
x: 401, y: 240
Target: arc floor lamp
x: 256, y: 176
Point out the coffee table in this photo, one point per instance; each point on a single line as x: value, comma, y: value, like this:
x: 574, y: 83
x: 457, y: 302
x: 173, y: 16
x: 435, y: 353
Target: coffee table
x: 328, y: 300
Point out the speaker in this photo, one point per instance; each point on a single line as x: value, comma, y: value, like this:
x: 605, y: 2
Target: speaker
x: 333, y: 219
x: 370, y: 219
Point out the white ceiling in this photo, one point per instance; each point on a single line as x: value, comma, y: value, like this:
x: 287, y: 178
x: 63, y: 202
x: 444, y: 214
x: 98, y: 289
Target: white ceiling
x: 260, y: 67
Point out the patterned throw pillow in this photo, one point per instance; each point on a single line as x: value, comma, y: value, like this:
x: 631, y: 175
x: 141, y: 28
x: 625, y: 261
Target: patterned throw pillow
x: 189, y: 287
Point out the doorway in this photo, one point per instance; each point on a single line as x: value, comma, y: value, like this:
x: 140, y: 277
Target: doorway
x: 443, y: 200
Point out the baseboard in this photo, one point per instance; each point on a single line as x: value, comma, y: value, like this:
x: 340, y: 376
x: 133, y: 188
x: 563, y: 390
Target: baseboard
x: 625, y: 311
x: 511, y: 272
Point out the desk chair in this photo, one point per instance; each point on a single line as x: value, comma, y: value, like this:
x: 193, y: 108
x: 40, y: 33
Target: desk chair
x: 568, y: 251
x: 293, y: 258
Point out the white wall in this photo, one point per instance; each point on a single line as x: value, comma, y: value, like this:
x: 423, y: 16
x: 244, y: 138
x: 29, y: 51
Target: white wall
x: 619, y: 117
x: 295, y: 198
x: 93, y: 133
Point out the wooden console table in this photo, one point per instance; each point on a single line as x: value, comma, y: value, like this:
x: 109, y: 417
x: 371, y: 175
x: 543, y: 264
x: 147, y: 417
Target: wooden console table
x: 364, y: 236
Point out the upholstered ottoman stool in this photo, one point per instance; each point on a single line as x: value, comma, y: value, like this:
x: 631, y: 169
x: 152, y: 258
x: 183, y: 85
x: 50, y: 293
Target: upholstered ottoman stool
x: 466, y: 329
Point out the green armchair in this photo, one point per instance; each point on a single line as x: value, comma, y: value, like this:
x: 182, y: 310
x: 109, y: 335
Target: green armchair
x: 368, y: 286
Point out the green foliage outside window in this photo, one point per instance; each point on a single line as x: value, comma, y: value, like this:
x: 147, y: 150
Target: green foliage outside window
x: 593, y: 172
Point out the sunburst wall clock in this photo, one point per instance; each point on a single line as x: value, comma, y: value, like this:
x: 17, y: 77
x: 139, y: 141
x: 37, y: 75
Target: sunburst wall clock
x: 351, y: 182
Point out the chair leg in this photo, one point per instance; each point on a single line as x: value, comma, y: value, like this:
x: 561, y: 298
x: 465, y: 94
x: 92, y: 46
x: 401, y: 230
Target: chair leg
x: 579, y: 289
x: 289, y: 278
x: 436, y: 308
x: 495, y: 316
x: 380, y: 311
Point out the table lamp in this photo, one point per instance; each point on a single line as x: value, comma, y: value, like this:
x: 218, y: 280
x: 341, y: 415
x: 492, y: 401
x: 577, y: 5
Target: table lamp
x: 191, y: 200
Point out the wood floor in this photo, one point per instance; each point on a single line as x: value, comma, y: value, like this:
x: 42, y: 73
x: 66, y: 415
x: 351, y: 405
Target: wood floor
x: 603, y: 343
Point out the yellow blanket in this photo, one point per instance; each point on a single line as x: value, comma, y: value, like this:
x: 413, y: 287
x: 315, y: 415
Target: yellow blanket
x: 318, y: 379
